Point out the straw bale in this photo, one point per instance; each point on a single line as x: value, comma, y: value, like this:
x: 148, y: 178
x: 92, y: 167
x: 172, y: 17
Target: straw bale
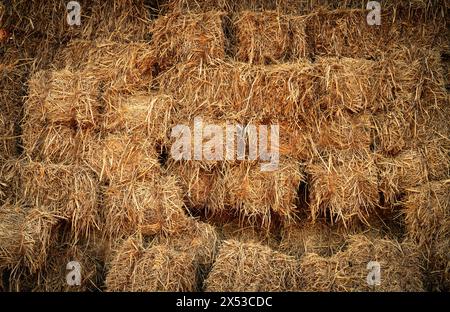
x: 26, y: 235
x: 120, y: 158
x: 399, y: 173
x: 252, y: 267
x: 163, y: 269
x: 307, y: 237
x: 188, y: 38
x: 242, y: 231
x: 343, y: 186
x: 140, y: 115
x: 125, y: 66
x: 427, y: 218
x: 257, y: 194
x: 70, y: 191
x: 354, y: 85
x: 347, y: 270
x: 124, y: 20
x: 196, y: 238
x: 264, y: 91
x: 52, y: 278
x: 394, y: 131
x: 269, y: 37
x: 63, y: 97
x: 341, y: 132
x: 346, y: 33
x: 200, y: 184
x: 121, y: 268
x: 150, y: 207
x: 437, y: 158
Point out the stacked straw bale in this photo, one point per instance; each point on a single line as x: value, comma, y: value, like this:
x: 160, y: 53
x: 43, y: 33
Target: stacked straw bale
x: 300, y: 239
x: 282, y: 90
x: 191, y: 38
x: 268, y: 37
x: 343, y: 186
x: 427, y: 217
x: 69, y: 191
x: 252, y: 267
x: 25, y: 236
x: 156, y: 268
x: 257, y: 195
x: 347, y: 269
x: 150, y: 207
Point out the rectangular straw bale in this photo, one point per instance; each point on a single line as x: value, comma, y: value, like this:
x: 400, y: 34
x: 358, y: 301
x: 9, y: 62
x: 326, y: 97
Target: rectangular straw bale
x: 119, y: 158
x: 26, y: 235
x: 125, y: 65
x: 70, y: 191
x: 399, y: 173
x: 343, y: 186
x: 269, y: 37
x: 243, y: 267
x: 346, y: 271
x: 427, y: 218
x: 200, y: 184
x: 196, y: 238
x: 57, y: 143
x: 63, y: 97
x: 127, y: 20
x: 394, y: 131
x: 149, y: 207
x: 188, y: 38
x: 256, y: 194
x: 163, y: 269
x: 242, y: 231
x: 354, y: 85
x: 264, y: 91
x: 346, y: 33
x: 121, y: 267
x: 341, y: 132
x: 306, y: 237
x: 141, y: 115
x: 52, y: 278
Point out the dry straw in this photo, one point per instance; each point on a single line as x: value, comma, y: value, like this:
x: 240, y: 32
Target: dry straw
x: 63, y: 97
x: 122, y: 66
x: 399, y: 173
x: 121, y: 268
x: 306, y: 237
x: 347, y: 270
x: 7, y: 137
x: 189, y: 38
x: 197, y: 239
x: 142, y: 115
x: 252, y: 267
x: 150, y: 207
x: 163, y: 269
x: 242, y: 231
x: 256, y: 194
x: 26, y: 235
x: 269, y: 37
x: 69, y: 191
x: 427, y: 218
x: 355, y: 85
x: 120, y: 158
x: 343, y: 186
x: 247, y: 91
